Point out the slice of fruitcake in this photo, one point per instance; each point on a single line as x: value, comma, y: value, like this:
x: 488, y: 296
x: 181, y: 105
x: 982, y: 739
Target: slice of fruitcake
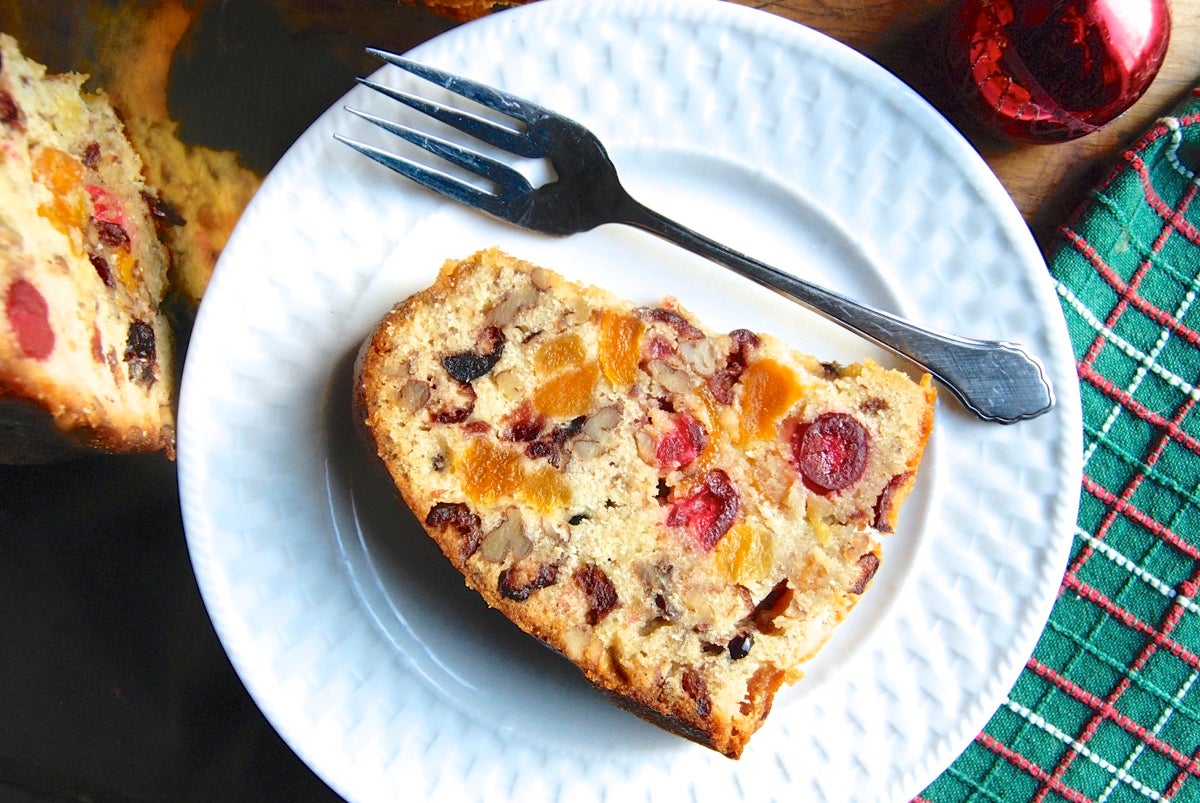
x: 685, y: 515
x: 83, y: 344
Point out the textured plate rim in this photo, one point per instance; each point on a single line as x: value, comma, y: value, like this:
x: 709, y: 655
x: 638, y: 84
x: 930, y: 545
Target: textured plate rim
x: 194, y: 474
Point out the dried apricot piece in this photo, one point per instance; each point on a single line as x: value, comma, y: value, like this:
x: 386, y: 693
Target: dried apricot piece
x: 125, y: 267
x: 568, y: 394
x: 620, y: 347
x: 62, y: 174
x: 568, y: 377
x: 559, y: 354
x: 489, y: 471
x: 546, y: 489
x: 769, y: 390
x: 57, y: 170
x: 745, y: 554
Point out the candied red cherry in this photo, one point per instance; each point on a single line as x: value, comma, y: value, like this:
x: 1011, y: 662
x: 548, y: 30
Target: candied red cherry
x: 29, y: 316
x: 831, y: 452
x: 709, y: 511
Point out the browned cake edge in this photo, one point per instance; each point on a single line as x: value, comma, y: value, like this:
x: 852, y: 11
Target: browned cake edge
x: 725, y: 736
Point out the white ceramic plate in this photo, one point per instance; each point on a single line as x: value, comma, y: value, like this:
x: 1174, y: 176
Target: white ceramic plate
x: 360, y: 644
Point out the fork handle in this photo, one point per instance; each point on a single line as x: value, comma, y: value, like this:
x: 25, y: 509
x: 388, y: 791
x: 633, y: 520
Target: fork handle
x: 997, y: 381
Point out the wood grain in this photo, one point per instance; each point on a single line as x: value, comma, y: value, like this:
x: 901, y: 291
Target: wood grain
x: 1046, y: 181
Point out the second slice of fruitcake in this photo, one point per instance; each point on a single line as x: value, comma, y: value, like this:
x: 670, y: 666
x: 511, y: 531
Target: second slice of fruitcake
x: 686, y: 516
x: 86, y: 356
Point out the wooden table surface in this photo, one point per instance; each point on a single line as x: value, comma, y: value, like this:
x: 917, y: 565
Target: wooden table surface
x: 1045, y: 181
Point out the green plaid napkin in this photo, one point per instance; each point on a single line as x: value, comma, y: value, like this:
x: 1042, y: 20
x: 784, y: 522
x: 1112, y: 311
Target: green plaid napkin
x: 1108, y: 706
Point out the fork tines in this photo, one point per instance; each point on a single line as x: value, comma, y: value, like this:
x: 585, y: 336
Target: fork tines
x: 518, y: 140
x: 509, y: 105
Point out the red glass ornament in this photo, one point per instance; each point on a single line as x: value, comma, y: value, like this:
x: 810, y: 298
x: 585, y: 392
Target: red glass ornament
x: 1054, y: 70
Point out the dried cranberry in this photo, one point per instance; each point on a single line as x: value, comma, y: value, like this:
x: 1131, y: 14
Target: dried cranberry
x: 162, y: 212
x: 518, y: 582
x: 720, y: 384
x: 541, y: 448
x: 111, y: 234
x: 683, y: 328
x: 708, y: 512
x: 464, y: 522
x: 831, y: 452
x: 680, y: 446
x: 140, y: 352
x: 550, y: 445
x: 10, y: 112
x: 658, y: 348
x: 523, y: 424
x: 97, y: 345
x: 29, y: 316
x: 696, y: 687
x: 102, y: 269
x: 664, y: 608
x: 743, y: 340
x: 887, y: 498
x: 569, y: 429
x: 455, y: 410
x: 601, y: 594
x: 772, y: 607
x: 451, y: 415
x: 869, y: 564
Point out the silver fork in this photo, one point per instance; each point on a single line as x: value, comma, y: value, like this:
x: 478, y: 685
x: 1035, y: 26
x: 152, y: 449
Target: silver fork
x: 997, y: 381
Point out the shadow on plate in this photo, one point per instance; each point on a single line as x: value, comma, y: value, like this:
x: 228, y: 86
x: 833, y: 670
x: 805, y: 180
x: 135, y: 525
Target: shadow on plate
x: 469, y: 654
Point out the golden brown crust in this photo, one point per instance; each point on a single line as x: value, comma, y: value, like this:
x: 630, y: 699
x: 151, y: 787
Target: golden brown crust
x: 636, y: 492
x: 30, y: 435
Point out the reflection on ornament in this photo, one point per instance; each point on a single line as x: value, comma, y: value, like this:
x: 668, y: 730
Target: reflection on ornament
x: 1054, y: 70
